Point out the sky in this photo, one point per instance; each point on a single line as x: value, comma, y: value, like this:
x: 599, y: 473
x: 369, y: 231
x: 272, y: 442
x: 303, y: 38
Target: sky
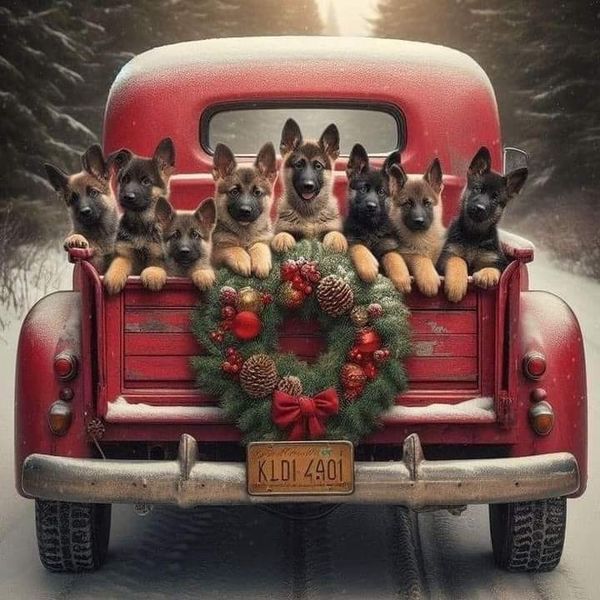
x: 352, y: 14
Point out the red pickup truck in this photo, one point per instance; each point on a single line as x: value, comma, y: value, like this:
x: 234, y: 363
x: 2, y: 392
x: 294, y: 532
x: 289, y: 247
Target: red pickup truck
x: 106, y: 406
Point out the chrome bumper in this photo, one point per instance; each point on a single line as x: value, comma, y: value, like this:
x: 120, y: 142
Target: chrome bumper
x: 413, y: 481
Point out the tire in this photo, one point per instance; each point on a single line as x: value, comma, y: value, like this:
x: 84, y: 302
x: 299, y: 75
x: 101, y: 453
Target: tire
x: 72, y: 537
x: 528, y: 536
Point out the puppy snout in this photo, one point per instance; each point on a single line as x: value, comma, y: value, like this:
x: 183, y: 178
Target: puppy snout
x: 184, y: 251
x: 418, y: 220
x: 245, y: 209
x: 129, y: 196
x: 480, y: 208
x: 371, y: 206
x: 86, y: 211
x: 309, y: 186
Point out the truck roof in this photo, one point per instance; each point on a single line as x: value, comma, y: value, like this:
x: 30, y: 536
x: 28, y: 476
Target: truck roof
x: 445, y: 97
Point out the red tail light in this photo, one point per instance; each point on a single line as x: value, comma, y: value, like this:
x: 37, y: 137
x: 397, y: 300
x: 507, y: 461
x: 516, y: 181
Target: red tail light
x: 534, y: 365
x: 65, y: 366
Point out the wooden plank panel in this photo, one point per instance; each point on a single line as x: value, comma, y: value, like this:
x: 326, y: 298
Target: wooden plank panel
x: 441, y: 323
x: 417, y: 301
x: 169, y: 320
x: 442, y: 369
x: 179, y: 297
x: 161, y: 344
x: 158, y: 369
x: 461, y: 344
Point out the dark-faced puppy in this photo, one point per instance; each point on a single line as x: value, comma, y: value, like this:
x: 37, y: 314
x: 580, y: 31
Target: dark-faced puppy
x: 187, y: 236
x: 308, y: 208
x: 472, y: 246
x: 416, y: 214
x: 367, y: 227
x: 141, y: 182
x: 92, y: 206
x: 244, y: 195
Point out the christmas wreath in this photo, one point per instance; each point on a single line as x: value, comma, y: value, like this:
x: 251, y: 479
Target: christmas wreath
x: 271, y: 395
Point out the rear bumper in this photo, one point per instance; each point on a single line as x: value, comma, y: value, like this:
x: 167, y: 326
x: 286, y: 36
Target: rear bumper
x: 413, y: 481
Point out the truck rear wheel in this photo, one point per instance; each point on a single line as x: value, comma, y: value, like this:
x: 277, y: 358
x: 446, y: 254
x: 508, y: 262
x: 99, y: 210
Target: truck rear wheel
x: 528, y: 536
x: 71, y: 536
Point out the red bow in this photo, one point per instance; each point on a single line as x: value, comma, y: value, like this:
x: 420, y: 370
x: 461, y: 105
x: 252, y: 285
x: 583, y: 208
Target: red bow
x: 303, y: 413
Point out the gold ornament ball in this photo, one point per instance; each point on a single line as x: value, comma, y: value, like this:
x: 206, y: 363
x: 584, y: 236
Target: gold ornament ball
x: 359, y: 315
x: 249, y: 299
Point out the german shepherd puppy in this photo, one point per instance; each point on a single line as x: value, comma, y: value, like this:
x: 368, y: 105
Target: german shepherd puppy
x: 367, y: 227
x: 187, y: 238
x: 308, y: 208
x: 141, y: 183
x: 92, y: 206
x: 244, y: 195
x: 472, y: 245
x: 416, y: 214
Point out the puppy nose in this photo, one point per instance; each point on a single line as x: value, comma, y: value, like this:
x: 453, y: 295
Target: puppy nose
x: 129, y: 196
x: 184, y: 250
x: 371, y: 206
x: 419, y: 220
x: 309, y: 186
x: 480, y: 208
x: 85, y: 211
x: 245, y: 209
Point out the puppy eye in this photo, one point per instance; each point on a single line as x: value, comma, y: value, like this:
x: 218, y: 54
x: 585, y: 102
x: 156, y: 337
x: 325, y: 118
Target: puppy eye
x: 363, y: 189
x: 411, y: 202
x: 317, y: 166
x: 176, y: 235
x: 94, y: 193
x: 194, y: 234
x: 146, y: 181
x: 234, y: 192
x: 74, y: 198
x: 299, y: 164
x: 125, y: 179
x: 257, y: 193
x: 381, y: 192
x: 426, y: 202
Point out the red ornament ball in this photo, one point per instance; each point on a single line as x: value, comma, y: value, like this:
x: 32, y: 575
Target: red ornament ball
x: 228, y: 312
x: 246, y: 325
x: 368, y: 340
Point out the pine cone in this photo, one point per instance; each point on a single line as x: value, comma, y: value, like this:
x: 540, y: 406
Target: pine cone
x: 290, y: 384
x: 258, y: 376
x: 335, y: 296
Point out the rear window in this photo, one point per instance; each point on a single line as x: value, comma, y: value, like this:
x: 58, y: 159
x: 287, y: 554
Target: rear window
x: 244, y: 129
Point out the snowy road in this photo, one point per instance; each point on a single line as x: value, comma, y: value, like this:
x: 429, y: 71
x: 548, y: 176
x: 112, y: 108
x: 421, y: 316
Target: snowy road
x: 355, y: 552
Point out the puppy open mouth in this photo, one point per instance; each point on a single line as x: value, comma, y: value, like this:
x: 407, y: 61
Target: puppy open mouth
x: 308, y: 196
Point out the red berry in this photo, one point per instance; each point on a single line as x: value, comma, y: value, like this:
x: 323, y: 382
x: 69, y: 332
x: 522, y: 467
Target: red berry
x: 267, y: 298
x: 235, y: 368
x: 230, y: 352
x: 308, y: 290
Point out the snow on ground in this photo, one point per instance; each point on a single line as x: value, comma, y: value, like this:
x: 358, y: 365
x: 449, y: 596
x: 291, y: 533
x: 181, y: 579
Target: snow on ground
x: 356, y: 552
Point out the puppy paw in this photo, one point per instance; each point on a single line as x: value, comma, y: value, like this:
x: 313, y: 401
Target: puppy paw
x: 261, y: 267
x: 401, y: 283
x: 455, y: 288
x: 154, y: 278
x: 367, y: 267
x: 486, y: 278
x: 75, y: 241
x: 283, y: 242
x: 428, y: 283
x: 116, y: 276
x: 240, y: 263
x: 203, y: 279
x: 335, y: 241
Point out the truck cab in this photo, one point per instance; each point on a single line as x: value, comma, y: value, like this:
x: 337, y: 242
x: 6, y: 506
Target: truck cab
x: 107, y: 410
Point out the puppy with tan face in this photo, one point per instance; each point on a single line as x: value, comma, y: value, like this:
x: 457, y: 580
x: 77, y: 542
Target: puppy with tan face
x: 308, y: 208
x: 416, y: 214
x: 141, y: 182
x: 92, y: 206
x: 187, y: 237
x: 243, y: 196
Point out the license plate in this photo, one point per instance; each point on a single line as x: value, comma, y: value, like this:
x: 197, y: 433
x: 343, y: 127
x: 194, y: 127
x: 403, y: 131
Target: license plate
x: 275, y: 468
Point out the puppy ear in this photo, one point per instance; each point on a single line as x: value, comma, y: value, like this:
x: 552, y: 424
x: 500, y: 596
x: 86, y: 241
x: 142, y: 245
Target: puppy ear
x: 392, y: 159
x: 58, y: 179
x: 291, y: 137
x: 223, y: 162
x: 164, y: 211
x: 164, y: 157
x: 398, y: 178
x: 330, y: 141
x: 358, y: 161
x: 266, y: 162
x: 92, y: 161
x: 433, y: 175
x: 206, y: 215
x: 481, y: 163
x: 117, y: 160
x: 515, y: 181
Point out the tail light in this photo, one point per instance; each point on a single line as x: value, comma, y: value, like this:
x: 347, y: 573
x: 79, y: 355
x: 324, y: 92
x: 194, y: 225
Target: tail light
x: 534, y: 365
x: 59, y: 417
x: 65, y: 366
x: 541, y: 418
